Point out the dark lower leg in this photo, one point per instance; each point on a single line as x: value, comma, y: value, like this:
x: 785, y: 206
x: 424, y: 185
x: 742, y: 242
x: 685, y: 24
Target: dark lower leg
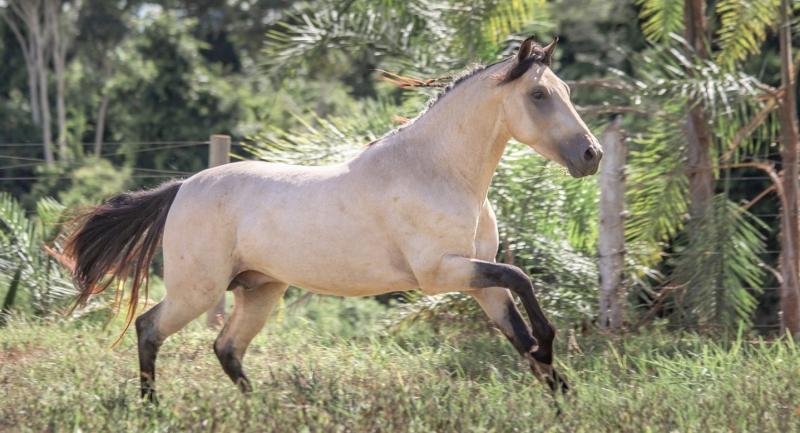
x: 251, y: 309
x: 149, y: 342
x: 232, y: 365
x: 540, y: 362
x: 542, y: 329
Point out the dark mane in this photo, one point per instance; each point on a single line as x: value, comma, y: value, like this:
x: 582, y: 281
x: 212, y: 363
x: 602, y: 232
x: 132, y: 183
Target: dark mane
x: 537, y: 56
x: 460, y: 78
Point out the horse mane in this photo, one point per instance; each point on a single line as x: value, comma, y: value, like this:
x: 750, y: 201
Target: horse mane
x: 537, y: 56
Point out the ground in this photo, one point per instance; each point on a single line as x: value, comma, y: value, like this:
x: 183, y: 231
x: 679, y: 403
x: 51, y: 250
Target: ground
x: 314, y: 370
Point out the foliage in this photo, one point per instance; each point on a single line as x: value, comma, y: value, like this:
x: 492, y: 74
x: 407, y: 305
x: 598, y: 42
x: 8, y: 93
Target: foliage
x: 87, y: 181
x: 425, y: 35
x: 324, y: 140
x: 295, y: 80
x: 548, y: 226
x: 39, y: 284
x: 661, y: 18
x: 657, y: 196
x: 721, y: 268
x: 743, y: 28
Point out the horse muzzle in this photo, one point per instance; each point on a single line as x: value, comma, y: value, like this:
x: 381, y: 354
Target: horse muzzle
x: 584, y: 155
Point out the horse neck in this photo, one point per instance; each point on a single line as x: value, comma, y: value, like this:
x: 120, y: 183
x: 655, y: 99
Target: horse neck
x: 462, y: 136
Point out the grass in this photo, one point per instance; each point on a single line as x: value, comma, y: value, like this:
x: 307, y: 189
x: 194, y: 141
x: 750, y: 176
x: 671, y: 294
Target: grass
x: 314, y: 370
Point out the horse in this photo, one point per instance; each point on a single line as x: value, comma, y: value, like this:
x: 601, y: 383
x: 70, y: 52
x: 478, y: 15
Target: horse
x: 408, y: 212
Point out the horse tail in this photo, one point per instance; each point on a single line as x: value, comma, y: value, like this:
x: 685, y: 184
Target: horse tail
x: 117, y: 241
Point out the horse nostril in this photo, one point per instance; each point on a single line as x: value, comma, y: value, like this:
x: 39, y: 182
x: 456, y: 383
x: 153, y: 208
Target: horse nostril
x: 590, y: 154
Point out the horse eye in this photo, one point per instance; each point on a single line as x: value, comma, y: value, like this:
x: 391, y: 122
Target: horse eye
x: 538, y: 94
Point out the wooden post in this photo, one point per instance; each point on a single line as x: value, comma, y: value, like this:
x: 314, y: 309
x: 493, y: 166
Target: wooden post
x: 219, y: 151
x: 611, y: 244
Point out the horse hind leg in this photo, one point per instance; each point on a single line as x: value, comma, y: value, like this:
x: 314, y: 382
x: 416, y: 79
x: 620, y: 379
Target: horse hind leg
x: 158, y: 323
x: 252, y: 307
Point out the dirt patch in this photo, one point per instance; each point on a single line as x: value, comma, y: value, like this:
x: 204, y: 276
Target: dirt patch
x: 19, y: 354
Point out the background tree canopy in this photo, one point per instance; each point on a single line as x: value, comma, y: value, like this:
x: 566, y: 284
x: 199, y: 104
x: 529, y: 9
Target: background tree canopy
x: 144, y: 83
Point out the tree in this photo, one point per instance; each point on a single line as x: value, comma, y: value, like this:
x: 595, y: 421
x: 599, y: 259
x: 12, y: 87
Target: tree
x: 28, y: 22
x: 790, y: 223
x: 611, y: 239
x: 742, y: 32
x: 38, y: 280
x: 701, y: 178
x: 40, y: 27
x: 105, y: 27
x: 55, y: 20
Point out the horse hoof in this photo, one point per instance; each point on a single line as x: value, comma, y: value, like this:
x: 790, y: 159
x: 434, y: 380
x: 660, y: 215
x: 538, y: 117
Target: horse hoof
x: 559, y: 384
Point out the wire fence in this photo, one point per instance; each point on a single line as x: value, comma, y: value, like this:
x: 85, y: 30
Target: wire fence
x: 32, y: 163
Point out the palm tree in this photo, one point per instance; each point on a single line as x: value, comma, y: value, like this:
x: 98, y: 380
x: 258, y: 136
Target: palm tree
x: 36, y: 278
x: 743, y: 27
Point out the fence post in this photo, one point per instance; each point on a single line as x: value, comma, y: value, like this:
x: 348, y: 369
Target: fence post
x: 611, y: 243
x: 219, y: 150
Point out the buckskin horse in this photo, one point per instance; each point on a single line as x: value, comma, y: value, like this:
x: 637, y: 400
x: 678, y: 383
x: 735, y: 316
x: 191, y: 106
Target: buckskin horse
x: 410, y: 211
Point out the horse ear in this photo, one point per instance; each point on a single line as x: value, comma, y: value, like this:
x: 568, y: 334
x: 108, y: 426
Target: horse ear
x: 549, y: 49
x: 525, y: 49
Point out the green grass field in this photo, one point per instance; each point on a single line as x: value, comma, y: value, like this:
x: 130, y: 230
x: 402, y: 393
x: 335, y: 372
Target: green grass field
x: 332, y: 367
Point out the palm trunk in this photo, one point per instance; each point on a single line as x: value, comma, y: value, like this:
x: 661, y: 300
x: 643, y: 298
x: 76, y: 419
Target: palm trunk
x: 790, y: 228
x: 701, y: 178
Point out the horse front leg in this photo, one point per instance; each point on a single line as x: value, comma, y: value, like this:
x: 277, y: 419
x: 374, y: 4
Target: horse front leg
x: 498, y: 304
x: 493, y: 282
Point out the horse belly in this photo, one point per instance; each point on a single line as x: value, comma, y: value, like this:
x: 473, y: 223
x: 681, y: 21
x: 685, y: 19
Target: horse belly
x: 332, y: 255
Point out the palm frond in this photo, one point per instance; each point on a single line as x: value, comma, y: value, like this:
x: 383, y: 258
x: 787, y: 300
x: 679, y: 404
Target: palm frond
x: 428, y: 36
x: 661, y: 18
x: 324, y: 140
x: 721, y: 268
x: 743, y: 28
x: 39, y: 278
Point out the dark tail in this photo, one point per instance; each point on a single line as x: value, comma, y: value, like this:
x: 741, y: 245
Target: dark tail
x: 117, y: 241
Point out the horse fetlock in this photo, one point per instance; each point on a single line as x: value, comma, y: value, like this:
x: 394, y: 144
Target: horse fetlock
x: 232, y: 364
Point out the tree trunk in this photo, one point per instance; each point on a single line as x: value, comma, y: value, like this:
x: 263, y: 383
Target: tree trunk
x: 100, y: 127
x: 701, y: 177
x: 33, y: 94
x: 790, y: 230
x: 36, y: 38
x: 28, y: 46
x: 53, y: 8
x: 39, y: 34
x: 611, y: 245
x: 47, y: 133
